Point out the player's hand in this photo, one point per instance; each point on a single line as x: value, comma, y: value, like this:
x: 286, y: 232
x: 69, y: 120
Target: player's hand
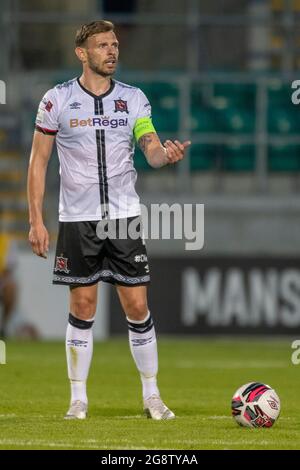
x: 39, y: 239
x: 175, y: 150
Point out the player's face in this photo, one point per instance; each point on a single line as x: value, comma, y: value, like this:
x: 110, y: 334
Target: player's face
x: 102, y: 52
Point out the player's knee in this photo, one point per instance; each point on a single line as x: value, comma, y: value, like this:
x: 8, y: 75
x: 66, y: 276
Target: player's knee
x: 137, y: 310
x: 84, y: 307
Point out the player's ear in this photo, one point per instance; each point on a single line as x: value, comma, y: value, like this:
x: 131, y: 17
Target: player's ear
x: 81, y: 53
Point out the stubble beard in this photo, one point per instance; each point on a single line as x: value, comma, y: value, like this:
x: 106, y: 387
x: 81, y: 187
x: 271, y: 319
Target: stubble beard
x: 96, y: 69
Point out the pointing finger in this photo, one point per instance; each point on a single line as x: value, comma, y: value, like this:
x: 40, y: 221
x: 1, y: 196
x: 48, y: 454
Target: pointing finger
x: 187, y: 143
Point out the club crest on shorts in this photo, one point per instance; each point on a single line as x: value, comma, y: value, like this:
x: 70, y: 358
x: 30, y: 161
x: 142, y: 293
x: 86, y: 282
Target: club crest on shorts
x: 121, y: 105
x: 61, y: 264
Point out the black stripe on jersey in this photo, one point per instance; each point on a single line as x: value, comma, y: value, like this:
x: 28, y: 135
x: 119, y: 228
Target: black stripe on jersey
x: 105, y: 182
x: 101, y: 156
x: 103, y: 152
x: 100, y: 172
x: 97, y: 105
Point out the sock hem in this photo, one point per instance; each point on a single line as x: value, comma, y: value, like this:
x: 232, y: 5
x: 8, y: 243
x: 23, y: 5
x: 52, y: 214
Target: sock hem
x: 139, y: 322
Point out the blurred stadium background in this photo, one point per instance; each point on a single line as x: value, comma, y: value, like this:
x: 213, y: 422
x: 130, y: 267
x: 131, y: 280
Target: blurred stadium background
x: 217, y: 72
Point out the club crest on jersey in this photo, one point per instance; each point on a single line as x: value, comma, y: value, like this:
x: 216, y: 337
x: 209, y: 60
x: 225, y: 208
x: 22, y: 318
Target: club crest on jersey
x: 61, y: 264
x: 121, y: 106
x: 49, y: 106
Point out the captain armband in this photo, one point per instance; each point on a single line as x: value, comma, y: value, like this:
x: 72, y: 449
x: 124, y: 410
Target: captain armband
x: 142, y: 126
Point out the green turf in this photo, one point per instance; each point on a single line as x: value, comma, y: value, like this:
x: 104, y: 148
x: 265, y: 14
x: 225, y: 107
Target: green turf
x: 197, y: 379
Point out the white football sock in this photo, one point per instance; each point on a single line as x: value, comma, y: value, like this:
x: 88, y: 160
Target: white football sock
x: 143, y: 347
x: 79, y: 350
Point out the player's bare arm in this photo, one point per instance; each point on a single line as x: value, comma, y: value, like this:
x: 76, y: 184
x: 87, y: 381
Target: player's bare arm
x: 159, y: 155
x: 40, y: 154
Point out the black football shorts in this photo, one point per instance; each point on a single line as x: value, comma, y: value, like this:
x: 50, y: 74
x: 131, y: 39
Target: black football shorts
x: 89, y: 252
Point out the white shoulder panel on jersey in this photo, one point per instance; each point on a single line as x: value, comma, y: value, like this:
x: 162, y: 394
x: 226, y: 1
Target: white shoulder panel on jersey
x: 47, y: 120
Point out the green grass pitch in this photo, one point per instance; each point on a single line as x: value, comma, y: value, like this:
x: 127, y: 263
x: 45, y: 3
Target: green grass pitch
x: 197, y: 379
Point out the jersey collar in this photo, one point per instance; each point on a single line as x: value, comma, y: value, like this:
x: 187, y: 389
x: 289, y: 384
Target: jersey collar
x: 112, y: 85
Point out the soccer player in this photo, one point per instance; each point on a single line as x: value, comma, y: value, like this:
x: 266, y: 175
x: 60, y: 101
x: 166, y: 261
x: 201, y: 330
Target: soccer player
x: 95, y: 121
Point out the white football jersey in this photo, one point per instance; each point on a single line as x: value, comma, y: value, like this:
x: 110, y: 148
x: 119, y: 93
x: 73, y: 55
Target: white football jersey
x: 95, y: 144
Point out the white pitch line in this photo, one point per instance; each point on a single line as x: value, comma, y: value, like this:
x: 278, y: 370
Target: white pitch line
x: 232, y: 365
x: 129, y: 417
x: 43, y: 443
x: 217, y: 417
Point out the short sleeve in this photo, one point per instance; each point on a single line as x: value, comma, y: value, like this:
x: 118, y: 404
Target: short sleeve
x: 47, y: 115
x: 143, y: 122
x: 144, y: 107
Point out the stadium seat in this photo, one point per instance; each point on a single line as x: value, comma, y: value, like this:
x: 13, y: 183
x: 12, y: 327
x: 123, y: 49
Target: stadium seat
x: 283, y: 120
x: 164, y: 89
x: 164, y: 99
x: 236, y: 120
x: 163, y: 94
x: 238, y: 157
x: 203, y: 157
x: 283, y: 115
x: 201, y: 93
x: 236, y: 94
x: 165, y: 121
x: 284, y: 158
x: 203, y: 120
x: 279, y: 93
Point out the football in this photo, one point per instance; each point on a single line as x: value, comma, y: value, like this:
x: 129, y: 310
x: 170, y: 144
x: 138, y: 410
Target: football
x: 255, y: 405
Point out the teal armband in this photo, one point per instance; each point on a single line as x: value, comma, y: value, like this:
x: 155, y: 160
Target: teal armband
x: 142, y: 126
